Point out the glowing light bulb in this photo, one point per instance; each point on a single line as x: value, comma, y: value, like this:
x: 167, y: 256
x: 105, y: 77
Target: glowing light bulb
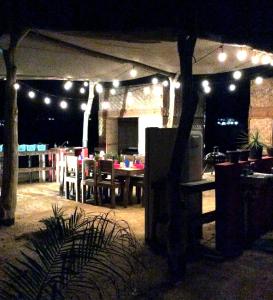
x: 146, y: 90
x: 271, y: 63
x: 16, y: 86
x: 205, y: 83
x: 259, y: 80
x: 255, y: 59
x: 113, y: 92
x: 105, y: 105
x: 165, y: 83
x: 82, y: 90
x: 85, y: 84
x: 237, y: 75
x: 155, y: 80
x: 47, y: 100
x: 207, y: 89
x: 99, y: 88
x: 68, y: 85
x: 266, y: 59
x: 241, y: 54
x: 63, y: 104
x: 232, y: 87
x: 116, y: 83
x: 222, y: 56
x: 83, y: 106
x: 31, y: 94
x: 177, y: 85
x: 133, y: 73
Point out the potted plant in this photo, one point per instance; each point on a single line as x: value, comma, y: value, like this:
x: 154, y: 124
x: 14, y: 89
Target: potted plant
x: 233, y: 156
x: 255, y: 145
x: 269, y: 149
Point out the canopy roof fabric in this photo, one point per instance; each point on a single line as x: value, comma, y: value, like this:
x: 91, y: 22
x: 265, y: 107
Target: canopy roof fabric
x: 86, y: 56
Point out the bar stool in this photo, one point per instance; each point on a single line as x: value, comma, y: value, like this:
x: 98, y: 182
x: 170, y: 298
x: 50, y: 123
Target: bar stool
x: 72, y: 176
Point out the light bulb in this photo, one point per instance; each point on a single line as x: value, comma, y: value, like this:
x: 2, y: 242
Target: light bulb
x: 16, y: 86
x: 241, y: 55
x: 157, y: 90
x: 68, y: 85
x: 83, y: 106
x: 105, y: 105
x: 31, y: 94
x: 63, y: 104
x: 154, y: 80
x: 47, y: 100
x: 259, y: 80
x: 237, y: 75
x: 255, y: 59
x: 99, y: 88
x: 265, y: 60
x: 133, y: 73
x: 165, y: 83
x: 177, y: 85
x: 207, y: 89
x: 205, y: 83
x: 82, y: 90
x: 130, y: 101
x: 146, y: 90
x: 271, y: 63
x: 232, y: 87
x: 113, y: 92
x: 85, y: 84
x: 116, y: 83
x: 222, y: 56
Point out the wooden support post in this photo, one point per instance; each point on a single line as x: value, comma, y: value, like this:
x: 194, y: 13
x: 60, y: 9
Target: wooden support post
x: 177, y: 227
x: 10, y: 165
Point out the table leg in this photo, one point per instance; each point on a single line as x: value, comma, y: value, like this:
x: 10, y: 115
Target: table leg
x: 126, y: 191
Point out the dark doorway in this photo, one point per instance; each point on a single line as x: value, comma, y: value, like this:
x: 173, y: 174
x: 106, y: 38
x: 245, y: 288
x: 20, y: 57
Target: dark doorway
x: 128, y: 135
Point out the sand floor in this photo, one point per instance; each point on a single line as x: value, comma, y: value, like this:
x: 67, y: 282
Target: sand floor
x: 247, y: 277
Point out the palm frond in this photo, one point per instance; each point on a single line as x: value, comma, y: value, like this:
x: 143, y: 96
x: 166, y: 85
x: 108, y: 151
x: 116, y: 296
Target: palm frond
x: 75, y: 254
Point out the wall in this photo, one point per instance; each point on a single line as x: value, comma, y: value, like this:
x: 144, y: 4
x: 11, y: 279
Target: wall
x: 261, y: 110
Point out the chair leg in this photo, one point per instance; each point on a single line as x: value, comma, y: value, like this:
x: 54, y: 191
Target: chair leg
x: 67, y: 190
x: 77, y: 191
x: 138, y: 194
x: 95, y: 191
x: 83, y: 193
x: 113, y: 197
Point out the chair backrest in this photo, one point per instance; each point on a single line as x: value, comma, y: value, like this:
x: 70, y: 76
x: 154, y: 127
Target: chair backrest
x: 71, y: 166
x: 89, y: 168
x: 106, y: 167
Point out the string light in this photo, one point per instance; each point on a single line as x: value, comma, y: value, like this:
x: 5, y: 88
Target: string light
x: 83, y: 106
x: 85, y: 84
x: 99, y: 88
x: 116, y: 83
x: 271, y: 63
x: 177, y: 85
x: 241, y: 54
x: 82, y: 90
x: 259, y: 80
x: 255, y: 59
x: 165, y: 83
x: 222, y: 56
x: 63, y: 104
x: 113, y: 92
x: 16, y: 86
x: 105, y: 105
x: 232, y: 87
x: 146, y: 90
x: 265, y: 60
x: 68, y: 85
x: 154, y: 80
x: 130, y: 99
x: 31, y: 94
x: 237, y: 75
x: 205, y: 83
x: 133, y: 73
x: 47, y: 100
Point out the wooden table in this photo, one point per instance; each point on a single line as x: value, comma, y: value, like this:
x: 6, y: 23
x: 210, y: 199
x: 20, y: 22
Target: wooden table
x: 127, y: 173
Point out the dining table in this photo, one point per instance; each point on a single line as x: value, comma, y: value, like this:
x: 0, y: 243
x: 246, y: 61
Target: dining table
x: 127, y: 173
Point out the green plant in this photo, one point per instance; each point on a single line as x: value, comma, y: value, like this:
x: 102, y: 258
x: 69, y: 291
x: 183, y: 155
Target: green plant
x: 250, y: 141
x: 75, y: 257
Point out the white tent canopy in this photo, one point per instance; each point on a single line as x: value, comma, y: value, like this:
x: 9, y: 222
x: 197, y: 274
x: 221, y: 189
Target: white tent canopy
x: 85, y: 56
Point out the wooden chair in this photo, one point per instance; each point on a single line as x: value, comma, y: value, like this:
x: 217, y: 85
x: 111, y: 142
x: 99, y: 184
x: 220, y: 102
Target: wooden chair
x: 106, y: 169
x: 89, y: 178
x: 72, y: 176
x: 137, y: 181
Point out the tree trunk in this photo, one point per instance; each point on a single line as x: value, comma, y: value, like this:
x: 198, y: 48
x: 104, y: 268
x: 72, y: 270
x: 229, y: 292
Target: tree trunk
x: 10, y: 164
x: 177, y: 227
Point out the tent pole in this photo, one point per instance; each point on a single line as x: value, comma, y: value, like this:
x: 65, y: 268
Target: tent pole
x: 86, y: 114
